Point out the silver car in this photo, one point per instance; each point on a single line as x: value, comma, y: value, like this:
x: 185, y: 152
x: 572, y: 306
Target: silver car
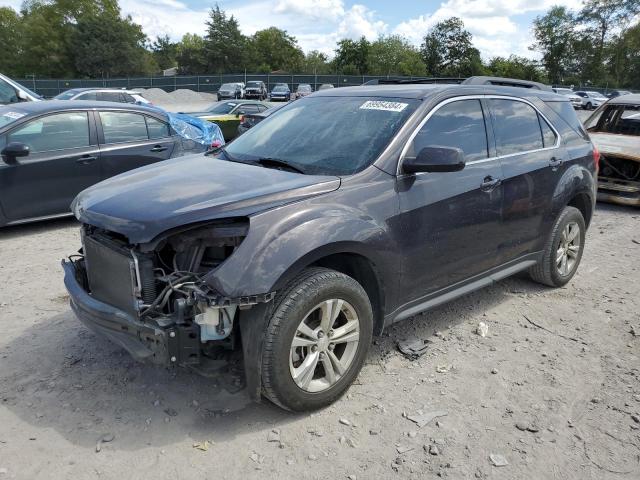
x: 591, y: 99
x: 576, y: 100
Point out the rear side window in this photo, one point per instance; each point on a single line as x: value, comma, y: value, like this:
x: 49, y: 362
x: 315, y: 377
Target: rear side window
x: 457, y: 124
x: 121, y: 127
x: 516, y: 127
x: 7, y: 93
x: 157, y: 129
x: 549, y: 137
x: 54, y: 132
x: 566, y: 111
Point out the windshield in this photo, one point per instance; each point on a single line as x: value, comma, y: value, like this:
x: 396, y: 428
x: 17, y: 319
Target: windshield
x: 222, y: 107
x: 253, y: 84
x: 228, y: 86
x: 595, y: 95
x: 616, y: 119
x: 66, y: 95
x: 304, y: 88
x: 280, y: 88
x: 9, y: 115
x: 325, y: 135
x: 564, y: 91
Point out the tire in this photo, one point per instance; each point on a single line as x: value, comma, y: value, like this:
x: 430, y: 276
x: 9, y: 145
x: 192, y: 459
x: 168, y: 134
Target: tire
x: 589, y: 106
x: 551, y: 270
x: 302, y: 302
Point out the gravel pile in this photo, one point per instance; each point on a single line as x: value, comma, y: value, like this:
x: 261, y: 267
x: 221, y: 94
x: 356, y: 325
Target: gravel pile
x: 181, y: 100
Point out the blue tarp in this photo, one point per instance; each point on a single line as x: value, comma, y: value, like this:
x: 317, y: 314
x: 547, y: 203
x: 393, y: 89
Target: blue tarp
x: 192, y: 128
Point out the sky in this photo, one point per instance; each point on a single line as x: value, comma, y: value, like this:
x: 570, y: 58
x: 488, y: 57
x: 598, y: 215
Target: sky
x: 499, y: 27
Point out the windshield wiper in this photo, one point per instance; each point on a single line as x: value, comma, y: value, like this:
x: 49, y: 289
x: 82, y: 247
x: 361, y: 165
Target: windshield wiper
x: 277, y: 163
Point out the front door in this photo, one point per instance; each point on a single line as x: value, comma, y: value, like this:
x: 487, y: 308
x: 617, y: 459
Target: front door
x: 449, y: 220
x: 64, y: 159
x: 130, y: 140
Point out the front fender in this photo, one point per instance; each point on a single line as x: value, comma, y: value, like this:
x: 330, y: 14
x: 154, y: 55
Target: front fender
x: 272, y: 252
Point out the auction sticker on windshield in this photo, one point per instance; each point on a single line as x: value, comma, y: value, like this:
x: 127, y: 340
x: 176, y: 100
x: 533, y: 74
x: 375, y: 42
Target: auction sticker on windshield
x: 13, y: 115
x: 382, y: 105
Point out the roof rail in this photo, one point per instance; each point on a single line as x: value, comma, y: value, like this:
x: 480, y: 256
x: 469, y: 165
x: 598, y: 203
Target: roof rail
x: 506, y: 82
x: 477, y: 80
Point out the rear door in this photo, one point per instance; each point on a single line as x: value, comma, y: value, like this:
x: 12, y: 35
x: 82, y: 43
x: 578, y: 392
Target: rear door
x: 63, y: 160
x: 449, y: 220
x: 130, y: 140
x: 532, y: 163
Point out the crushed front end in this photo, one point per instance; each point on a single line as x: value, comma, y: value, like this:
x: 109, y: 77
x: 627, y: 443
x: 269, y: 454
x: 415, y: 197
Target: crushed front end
x: 153, y: 299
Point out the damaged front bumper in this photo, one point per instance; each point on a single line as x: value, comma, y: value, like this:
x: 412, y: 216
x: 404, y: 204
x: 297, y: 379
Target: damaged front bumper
x: 145, y: 342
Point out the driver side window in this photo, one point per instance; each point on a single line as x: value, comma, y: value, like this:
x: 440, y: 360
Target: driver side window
x: 457, y: 124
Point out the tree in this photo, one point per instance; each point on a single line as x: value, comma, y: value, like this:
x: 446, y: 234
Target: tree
x: 352, y: 56
x: 225, y: 45
x: 191, y: 55
x: 10, y: 37
x: 516, y: 67
x: 107, y: 45
x: 317, y: 63
x: 164, y: 52
x: 554, y: 35
x: 448, y: 50
x: 393, y: 55
x: 275, y: 49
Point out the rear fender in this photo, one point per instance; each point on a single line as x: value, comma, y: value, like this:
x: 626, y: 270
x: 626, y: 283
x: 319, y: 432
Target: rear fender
x: 576, y: 180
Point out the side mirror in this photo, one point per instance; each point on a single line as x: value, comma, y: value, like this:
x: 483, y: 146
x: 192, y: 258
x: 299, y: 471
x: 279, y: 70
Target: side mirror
x: 22, y: 96
x: 14, y: 150
x: 435, y: 159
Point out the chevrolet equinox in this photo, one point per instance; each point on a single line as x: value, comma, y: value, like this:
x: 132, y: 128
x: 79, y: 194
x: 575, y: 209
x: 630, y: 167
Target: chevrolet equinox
x: 338, y: 215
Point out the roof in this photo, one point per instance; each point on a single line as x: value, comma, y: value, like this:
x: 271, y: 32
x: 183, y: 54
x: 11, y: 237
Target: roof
x: 631, y: 99
x: 61, y: 105
x: 424, y: 91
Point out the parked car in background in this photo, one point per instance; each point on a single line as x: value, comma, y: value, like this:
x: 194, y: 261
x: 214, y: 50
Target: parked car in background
x: 341, y: 214
x: 257, y: 90
x: 325, y: 86
x: 12, y: 92
x: 615, y: 130
x: 618, y: 93
x: 303, y: 90
x: 575, y: 100
x: 280, y: 93
x: 103, y: 95
x: 250, y: 120
x: 231, y: 91
x: 52, y: 150
x: 227, y: 114
x: 591, y: 99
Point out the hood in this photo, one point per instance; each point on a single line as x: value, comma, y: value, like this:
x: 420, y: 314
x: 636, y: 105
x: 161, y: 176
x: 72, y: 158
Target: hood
x: 627, y: 146
x: 145, y: 202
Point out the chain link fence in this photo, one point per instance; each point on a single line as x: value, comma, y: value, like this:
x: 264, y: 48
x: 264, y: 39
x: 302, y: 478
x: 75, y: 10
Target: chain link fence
x: 200, y: 83
x: 211, y: 83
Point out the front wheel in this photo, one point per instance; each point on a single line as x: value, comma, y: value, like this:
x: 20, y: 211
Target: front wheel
x: 563, y: 250
x: 589, y: 106
x: 317, y: 340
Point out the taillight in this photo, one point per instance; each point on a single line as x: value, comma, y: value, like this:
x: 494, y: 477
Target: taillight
x: 216, y: 144
x: 596, y: 158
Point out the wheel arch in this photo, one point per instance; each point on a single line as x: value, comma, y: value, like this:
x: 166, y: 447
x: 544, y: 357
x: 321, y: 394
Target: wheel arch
x: 576, y: 188
x: 346, y: 258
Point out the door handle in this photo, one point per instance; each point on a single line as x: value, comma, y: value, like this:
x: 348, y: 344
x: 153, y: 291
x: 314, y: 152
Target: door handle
x: 158, y: 148
x: 86, y: 159
x: 489, y: 183
x: 555, y: 162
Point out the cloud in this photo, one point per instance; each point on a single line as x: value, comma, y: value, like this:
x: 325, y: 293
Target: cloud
x: 323, y: 10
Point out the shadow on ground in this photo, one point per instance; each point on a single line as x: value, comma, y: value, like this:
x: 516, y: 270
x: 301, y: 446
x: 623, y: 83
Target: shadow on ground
x: 59, y: 375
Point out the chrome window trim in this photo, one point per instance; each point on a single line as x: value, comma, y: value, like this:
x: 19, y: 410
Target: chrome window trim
x: 413, y: 135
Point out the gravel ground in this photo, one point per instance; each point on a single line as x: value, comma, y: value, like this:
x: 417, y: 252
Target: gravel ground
x: 553, y: 389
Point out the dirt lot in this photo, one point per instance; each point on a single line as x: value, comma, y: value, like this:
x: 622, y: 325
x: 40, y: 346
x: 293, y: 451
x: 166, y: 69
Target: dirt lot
x: 553, y: 388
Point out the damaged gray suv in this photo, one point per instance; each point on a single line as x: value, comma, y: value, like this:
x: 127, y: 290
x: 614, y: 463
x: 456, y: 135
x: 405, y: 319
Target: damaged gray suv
x: 340, y: 214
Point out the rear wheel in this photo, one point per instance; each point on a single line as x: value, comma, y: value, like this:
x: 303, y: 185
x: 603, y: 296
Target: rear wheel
x: 317, y: 340
x: 563, y: 250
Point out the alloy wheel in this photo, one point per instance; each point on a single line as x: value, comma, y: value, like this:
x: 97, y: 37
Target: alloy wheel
x: 324, y: 345
x: 568, y: 249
